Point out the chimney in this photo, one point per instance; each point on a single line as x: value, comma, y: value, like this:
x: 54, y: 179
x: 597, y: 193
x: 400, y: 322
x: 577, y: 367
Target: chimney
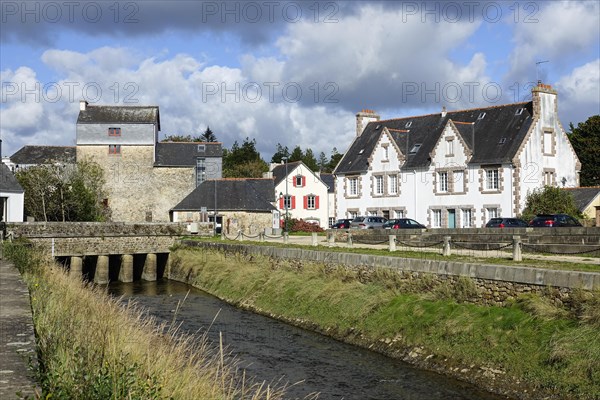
x: 443, y: 111
x: 544, y: 98
x: 363, y: 118
x: 82, y: 105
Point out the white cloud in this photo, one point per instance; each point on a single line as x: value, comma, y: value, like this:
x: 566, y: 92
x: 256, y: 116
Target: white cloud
x: 579, y: 93
x: 564, y: 29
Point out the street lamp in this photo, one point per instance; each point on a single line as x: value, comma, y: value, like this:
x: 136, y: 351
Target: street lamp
x: 285, y: 199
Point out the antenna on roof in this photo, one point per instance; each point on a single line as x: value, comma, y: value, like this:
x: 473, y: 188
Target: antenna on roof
x: 537, y: 70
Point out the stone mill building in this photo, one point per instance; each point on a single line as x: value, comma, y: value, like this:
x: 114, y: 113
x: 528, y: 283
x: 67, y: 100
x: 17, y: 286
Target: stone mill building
x: 145, y: 178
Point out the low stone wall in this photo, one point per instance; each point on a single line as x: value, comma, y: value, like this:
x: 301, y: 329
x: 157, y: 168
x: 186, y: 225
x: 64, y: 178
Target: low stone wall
x: 88, y: 229
x: 496, y: 284
x: 553, y: 240
x: 89, y: 246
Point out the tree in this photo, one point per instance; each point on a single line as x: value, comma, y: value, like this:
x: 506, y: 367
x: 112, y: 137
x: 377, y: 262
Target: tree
x: 297, y: 154
x: 322, y: 162
x: 585, y: 139
x: 310, y: 161
x: 334, y: 160
x: 64, y: 192
x: 186, y: 138
x: 208, y: 135
x: 243, y: 161
x: 549, y: 200
x: 280, y: 153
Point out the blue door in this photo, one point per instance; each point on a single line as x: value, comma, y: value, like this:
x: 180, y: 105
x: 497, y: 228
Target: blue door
x: 451, y: 218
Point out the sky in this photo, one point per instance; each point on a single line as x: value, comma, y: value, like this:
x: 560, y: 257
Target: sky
x: 288, y: 72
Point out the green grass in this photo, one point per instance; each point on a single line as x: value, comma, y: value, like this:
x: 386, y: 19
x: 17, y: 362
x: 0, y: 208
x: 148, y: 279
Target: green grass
x: 424, y: 255
x: 90, y: 346
x: 554, y: 351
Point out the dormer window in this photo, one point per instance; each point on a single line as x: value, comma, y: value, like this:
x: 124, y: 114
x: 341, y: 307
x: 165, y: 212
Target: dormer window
x: 201, y: 148
x: 415, y: 148
x: 114, y: 131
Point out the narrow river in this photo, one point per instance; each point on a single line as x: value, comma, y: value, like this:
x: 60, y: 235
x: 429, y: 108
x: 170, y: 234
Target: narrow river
x: 272, y: 351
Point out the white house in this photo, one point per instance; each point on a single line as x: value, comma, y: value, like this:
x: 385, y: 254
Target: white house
x: 301, y: 193
x: 12, y: 196
x: 457, y: 168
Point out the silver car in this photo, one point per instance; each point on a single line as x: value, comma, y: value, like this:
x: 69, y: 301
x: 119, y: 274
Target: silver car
x: 370, y: 222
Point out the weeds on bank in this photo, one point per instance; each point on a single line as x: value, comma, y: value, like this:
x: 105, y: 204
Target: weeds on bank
x: 427, y: 255
x: 91, y: 347
x: 532, y: 339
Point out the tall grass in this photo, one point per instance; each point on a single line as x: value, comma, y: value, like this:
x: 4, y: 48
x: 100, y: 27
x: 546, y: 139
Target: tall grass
x: 92, y: 347
x: 532, y: 344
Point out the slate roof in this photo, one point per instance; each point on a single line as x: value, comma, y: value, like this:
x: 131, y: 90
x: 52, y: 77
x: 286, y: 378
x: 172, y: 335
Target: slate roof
x: 583, y: 196
x: 493, y: 139
x: 279, y: 171
x: 329, y: 180
x: 184, y: 154
x: 8, y: 182
x: 38, y: 155
x: 119, y: 114
x: 235, y: 194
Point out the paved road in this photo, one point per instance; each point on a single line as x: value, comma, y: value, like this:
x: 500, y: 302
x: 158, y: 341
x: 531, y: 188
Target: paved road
x: 17, y: 341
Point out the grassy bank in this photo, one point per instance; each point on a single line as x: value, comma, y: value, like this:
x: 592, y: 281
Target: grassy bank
x: 530, y: 349
x: 91, y: 347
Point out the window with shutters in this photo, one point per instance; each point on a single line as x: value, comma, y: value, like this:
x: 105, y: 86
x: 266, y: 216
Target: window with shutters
x: 299, y: 181
x: 312, y: 202
x: 114, y: 131
x: 114, y: 149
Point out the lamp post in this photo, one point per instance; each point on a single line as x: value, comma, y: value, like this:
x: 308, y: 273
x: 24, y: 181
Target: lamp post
x: 285, y: 199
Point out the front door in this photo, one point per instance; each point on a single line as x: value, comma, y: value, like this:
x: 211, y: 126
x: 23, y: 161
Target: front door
x: 451, y: 218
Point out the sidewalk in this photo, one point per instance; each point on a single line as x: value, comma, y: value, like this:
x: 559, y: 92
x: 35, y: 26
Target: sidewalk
x: 17, y: 341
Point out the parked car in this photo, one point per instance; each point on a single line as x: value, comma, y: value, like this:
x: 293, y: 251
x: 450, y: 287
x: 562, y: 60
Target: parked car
x: 506, y: 223
x: 342, y: 224
x: 403, y: 223
x: 553, y: 220
x: 370, y: 222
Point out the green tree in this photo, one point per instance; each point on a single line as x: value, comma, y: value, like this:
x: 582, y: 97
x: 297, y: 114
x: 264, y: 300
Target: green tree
x: 208, y: 135
x: 280, y: 153
x: 334, y: 160
x: 549, y: 200
x: 297, y: 154
x: 243, y: 161
x: 322, y: 162
x: 181, y: 138
x: 64, y: 192
x: 585, y: 139
x: 310, y: 161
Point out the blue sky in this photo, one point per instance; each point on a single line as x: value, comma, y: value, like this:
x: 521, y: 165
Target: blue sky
x: 289, y: 72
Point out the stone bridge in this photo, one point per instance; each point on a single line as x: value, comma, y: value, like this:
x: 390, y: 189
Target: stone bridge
x: 105, y: 252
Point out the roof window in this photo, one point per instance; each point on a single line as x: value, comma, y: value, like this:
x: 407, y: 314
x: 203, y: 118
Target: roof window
x: 201, y: 148
x: 502, y: 140
x: 408, y: 124
x: 415, y: 148
x: 361, y: 151
x: 377, y: 127
x: 481, y: 116
x: 519, y: 111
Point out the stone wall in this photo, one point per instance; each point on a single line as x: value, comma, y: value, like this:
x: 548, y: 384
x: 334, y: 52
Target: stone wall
x: 95, y: 238
x: 137, y: 191
x: 495, y: 284
x: 90, y: 229
x: 559, y: 240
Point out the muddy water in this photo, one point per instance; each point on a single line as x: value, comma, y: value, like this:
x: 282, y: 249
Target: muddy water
x: 272, y: 351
